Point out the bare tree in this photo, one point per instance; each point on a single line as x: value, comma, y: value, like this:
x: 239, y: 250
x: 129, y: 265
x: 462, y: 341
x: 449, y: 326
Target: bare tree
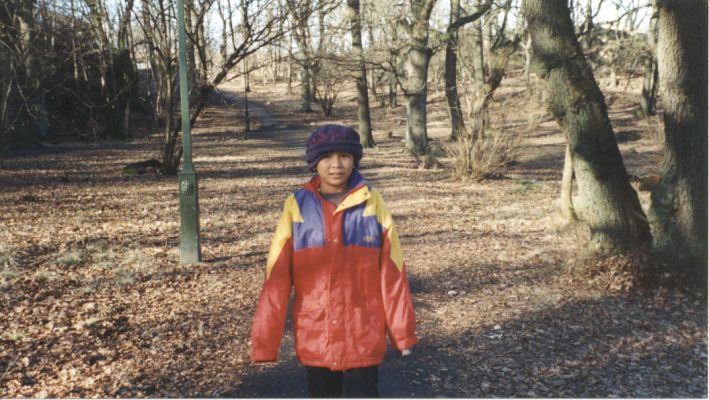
x: 256, y: 32
x: 615, y: 218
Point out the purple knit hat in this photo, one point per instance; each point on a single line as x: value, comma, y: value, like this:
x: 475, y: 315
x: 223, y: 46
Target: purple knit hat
x: 329, y: 138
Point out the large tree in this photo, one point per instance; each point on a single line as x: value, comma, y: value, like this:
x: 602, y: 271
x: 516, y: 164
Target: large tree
x: 365, y: 123
x: 679, y: 202
x: 612, y: 209
x: 418, y: 55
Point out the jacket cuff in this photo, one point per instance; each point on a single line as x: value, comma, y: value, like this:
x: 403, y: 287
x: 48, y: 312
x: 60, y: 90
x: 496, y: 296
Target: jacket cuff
x: 405, y: 343
x: 264, y: 355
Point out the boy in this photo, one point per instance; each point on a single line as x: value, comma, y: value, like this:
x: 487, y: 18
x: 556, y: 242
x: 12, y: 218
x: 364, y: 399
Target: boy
x: 337, y: 246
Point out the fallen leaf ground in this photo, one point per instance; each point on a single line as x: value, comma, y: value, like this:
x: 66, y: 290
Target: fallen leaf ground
x: 94, y: 302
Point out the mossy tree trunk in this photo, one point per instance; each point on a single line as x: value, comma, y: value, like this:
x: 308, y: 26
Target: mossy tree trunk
x: 613, y: 211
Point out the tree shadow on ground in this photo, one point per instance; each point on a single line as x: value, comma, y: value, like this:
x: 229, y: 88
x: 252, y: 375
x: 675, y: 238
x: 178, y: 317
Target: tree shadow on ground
x: 613, y: 346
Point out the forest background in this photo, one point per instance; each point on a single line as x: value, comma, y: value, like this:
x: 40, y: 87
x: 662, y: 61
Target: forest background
x: 545, y: 160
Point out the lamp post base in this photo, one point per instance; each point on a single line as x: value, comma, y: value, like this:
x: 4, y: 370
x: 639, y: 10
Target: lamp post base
x: 190, y: 251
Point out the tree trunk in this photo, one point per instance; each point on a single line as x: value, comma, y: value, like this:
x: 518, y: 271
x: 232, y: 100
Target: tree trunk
x: 301, y: 14
x: 567, y: 186
x: 247, y: 80
x: 247, y: 116
x: 373, y: 83
x: 306, y: 89
x: 392, y: 77
x: 586, y: 37
x: 375, y: 76
x: 205, y: 61
x: 290, y: 64
x: 190, y: 45
x: 365, y: 124
x: 489, y: 25
x: 457, y: 122
x: 392, y: 91
x: 415, y: 92
x: 678, y: 212
x: 478, y: 118
x: 613, y: 213
x: 528, y: 61
x: 246, y: 35
x: 499, y: 56
x: 456, y: 115
x: 415, y: 86
x: 478, y: 55
x: 302, y: 40
x: 649, y: 93
x: 170, y: 161
x: 225, y: 27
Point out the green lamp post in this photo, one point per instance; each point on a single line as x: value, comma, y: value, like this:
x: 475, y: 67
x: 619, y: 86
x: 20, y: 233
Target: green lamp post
x: 189, y: 200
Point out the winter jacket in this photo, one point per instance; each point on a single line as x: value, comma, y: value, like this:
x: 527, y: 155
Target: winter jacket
x: 350, y: 282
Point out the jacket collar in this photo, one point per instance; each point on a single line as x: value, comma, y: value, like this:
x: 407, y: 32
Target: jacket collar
x: 357, y: 190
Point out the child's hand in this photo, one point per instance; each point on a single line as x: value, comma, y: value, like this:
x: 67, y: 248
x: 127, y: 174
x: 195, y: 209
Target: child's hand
x: 405, y: 352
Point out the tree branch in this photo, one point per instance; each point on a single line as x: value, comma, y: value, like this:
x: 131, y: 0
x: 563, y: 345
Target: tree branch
x: 469, y: 18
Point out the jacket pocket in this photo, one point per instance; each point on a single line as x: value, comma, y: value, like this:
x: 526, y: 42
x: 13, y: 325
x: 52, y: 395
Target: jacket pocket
x: 370, y: 329
x: 309, y: 331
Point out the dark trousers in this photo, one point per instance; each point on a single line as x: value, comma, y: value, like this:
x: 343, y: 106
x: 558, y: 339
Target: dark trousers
x: 356, y: 382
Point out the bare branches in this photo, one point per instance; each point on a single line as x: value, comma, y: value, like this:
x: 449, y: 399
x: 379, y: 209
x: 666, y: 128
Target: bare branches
x: 470, y: 18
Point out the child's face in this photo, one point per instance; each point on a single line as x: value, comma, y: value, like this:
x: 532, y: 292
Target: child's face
x: 334, y: 170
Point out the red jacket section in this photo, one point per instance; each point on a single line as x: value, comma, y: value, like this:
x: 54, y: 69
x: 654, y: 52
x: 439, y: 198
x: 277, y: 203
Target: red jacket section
x: 350, y: 282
